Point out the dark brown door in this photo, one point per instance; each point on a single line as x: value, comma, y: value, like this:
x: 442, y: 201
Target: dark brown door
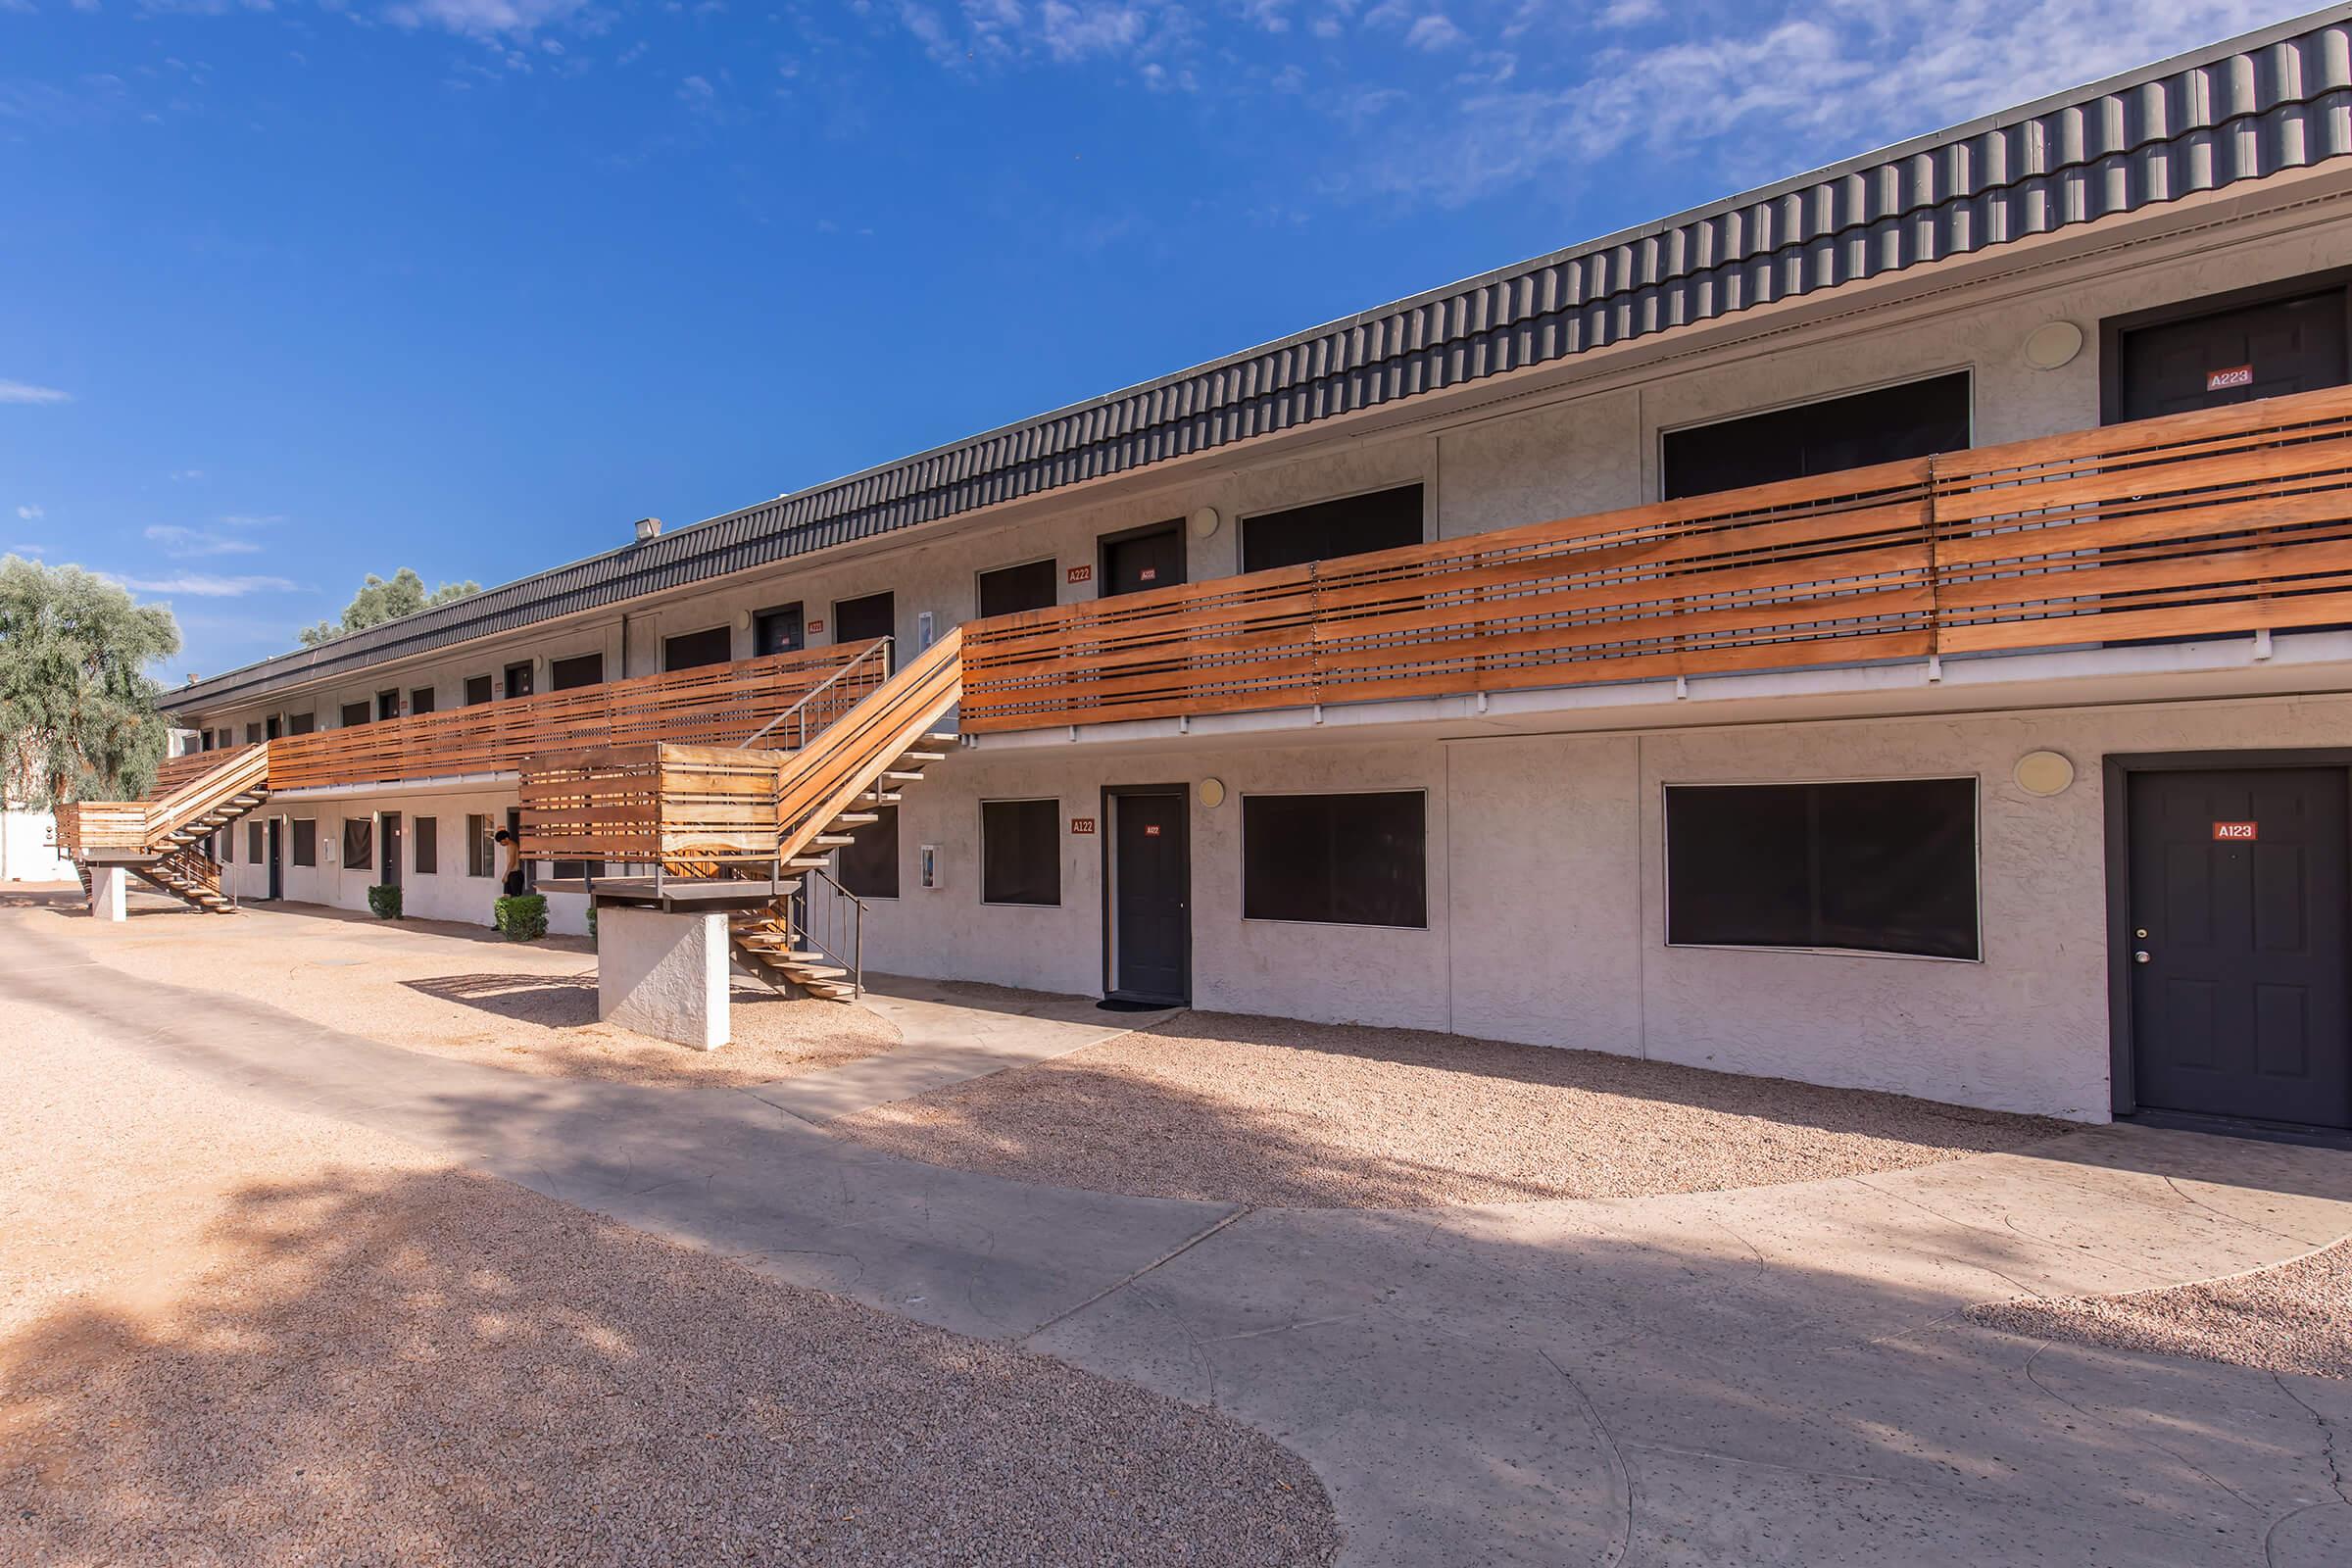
x: 277, y: 876
x: 1149, y: 558
x: 862, y: 621
x: 776, y: 631
x: 2238, y: 904
x: 1150, y: 898
x: 2231, y: 356
x: 388, y: 847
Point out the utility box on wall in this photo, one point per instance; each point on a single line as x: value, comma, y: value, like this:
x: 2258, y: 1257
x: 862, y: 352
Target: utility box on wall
x: 927, y: 866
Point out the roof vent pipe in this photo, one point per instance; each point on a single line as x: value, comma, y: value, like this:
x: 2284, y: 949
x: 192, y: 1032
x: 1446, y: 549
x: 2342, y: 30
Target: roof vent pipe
x: 648, y: 528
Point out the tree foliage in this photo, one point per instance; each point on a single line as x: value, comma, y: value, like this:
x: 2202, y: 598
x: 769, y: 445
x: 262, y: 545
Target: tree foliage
x: 77, y: 719
x: 379, y: 601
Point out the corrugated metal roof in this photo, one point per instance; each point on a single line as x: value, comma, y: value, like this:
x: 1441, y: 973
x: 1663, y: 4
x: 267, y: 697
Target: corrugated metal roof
x: 2253, y: 106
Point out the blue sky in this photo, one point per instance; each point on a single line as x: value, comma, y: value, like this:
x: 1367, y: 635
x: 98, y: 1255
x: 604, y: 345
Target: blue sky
x: 293, y: 291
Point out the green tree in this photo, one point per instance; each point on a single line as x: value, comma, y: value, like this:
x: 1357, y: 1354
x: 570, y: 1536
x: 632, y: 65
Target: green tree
x: 378, y: 601
x: 77, y: 719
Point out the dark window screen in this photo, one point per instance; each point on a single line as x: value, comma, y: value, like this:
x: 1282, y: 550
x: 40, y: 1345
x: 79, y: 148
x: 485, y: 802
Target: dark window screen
x: 1021, y: 851
x: 1910, y: 420
x: 869, y: 862
x: 1875, y: 868
x: 695, y: 649
x: 1329, y: 529
x: 425, y: 832
x: 421, y: 701
x: 1341, y: 860
x: 359, y: 843
x: 481, y: 851
x: 1013, y: 589
x: 253, y: 734
x: 353, y: 714
x: 301, y: 723
x: 306, y: 842
x: 253, y: 843
x: 478, y: 689
x: 564, y: 674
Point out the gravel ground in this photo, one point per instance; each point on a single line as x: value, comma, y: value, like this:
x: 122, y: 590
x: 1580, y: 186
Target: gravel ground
x: 1271, y: 1111
x: 2296, y: 1317
x: 453, y: 990
x: 231, y: 1335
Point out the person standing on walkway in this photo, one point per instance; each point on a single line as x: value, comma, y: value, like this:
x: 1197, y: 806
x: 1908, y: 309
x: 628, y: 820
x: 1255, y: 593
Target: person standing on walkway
x: 511, y: 868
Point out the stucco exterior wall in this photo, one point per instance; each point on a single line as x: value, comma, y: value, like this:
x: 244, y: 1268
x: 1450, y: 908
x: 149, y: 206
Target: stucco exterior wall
x: 1546, y: 898
x: 447, y: 893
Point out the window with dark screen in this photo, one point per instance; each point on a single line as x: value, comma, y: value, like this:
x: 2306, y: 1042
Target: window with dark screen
x: 570, y: 674
x: 1912, y: 419
x: 301, y: 723
x: 1879, y: 867
x: 479, y: 689
x: 353, y: 714
x: 869, y: 861
x: 359, y: 843
x: 421, y: 701
x: 426, y: 833
x: 1010, y: 590
x: 1352, y: 525
x: 713, y: 645
x: 1021, y: 851
x: 253, y: 734
x: 1336, y: 859
x: 306, y: 841
x: 481, y: 851
x: 253, y: 843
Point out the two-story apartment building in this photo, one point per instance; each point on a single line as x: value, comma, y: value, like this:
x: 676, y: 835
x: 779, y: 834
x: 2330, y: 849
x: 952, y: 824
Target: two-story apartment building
x: 1775, y: 638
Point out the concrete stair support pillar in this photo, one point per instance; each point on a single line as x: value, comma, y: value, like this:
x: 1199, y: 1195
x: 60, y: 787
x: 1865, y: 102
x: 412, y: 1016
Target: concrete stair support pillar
x: 108, y: 883
x: 663, y: 975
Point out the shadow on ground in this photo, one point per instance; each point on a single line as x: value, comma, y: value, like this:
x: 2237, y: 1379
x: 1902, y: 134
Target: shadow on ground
x: 1228, y: 1108
x: 440, y: 1367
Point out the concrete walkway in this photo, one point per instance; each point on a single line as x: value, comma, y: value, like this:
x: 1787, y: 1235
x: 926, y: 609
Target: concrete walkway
x: 1771, y: 1376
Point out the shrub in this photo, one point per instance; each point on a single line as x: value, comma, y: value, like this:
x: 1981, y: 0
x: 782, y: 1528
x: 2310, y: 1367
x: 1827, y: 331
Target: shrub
x: 592, y: 922
x: 385, y: 900
x: 523, y: 920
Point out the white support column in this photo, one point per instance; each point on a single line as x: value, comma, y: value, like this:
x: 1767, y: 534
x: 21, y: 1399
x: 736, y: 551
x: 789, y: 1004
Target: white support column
x: 663, y: 975
x: 107, y: 886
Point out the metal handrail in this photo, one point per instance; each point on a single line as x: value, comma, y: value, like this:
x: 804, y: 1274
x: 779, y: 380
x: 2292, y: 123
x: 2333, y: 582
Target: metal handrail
x: 855, y: 960
x: 799, y: 710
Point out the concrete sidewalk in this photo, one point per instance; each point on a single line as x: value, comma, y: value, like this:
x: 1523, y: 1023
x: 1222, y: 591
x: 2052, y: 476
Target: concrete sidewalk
x: 1772, y: 1375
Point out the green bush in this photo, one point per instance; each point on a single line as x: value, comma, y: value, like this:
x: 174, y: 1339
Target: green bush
x: 385, y: 900
x: 592, y: 922
x: 523, y: 920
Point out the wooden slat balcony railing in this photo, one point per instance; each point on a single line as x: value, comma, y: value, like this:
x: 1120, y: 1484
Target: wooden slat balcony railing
x: 2197, y: 524
x: 716, y: 704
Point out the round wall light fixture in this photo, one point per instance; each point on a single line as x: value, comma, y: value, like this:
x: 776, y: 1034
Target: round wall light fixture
x: 2044, y: 773
x: 2052, y: 344
x: 1204, y: 522
x: 1212, y: 793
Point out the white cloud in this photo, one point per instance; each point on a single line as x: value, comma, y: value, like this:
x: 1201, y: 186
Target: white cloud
x: 482, y: 18
x: 1436, y: 31
x: 184, y: 474
x: 247, y: 520
x: 28, y: 513
x: 1799, y: 88
x: 26, y: 392
x: 28, y: 550
x: 204, y: 585
x: 1626, y: 12
x: 185, y: 543
x: 1076, y: 32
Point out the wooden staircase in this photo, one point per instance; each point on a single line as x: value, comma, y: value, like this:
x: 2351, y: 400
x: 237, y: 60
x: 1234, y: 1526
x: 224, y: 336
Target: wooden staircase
x: 777, y: 943
x: 160, y: 840
x: 830, y: 787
